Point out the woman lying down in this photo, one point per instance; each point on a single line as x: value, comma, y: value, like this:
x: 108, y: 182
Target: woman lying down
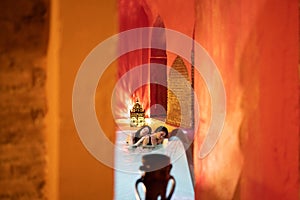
x: 146, y: 138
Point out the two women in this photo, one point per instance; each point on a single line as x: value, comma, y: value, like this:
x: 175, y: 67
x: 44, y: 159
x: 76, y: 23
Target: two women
x: 145, y: 137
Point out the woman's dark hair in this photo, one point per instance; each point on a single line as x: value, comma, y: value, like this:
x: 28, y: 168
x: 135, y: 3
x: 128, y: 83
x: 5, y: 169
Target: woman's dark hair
x: 138, y: 136
x: 162, y: 128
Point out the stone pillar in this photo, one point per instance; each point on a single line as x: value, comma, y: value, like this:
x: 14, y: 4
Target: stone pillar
x: 23, y: 46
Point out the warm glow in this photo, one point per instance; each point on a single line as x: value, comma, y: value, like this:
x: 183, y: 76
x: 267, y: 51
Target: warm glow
x: 126, y: 99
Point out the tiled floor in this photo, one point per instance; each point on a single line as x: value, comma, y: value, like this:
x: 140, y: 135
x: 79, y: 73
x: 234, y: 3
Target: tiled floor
x: 128, y: 161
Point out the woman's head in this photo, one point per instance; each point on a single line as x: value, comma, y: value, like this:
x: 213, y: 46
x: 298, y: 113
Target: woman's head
x: 145, y: 130
x: 162, y: 129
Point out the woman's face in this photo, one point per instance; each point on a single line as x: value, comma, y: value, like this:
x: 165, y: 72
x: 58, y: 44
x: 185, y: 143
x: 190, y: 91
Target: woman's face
x: 144, y: 131
x: 162, y: 134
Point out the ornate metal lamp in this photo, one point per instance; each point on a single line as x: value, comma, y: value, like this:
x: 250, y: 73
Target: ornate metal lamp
x: 137, y: 115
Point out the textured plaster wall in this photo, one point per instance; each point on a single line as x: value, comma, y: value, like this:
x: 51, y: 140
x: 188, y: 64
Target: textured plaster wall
x: 255, y: 46
x: 23, y: 105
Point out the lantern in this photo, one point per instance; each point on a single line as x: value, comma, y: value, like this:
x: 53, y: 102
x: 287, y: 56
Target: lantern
x: 137, y: 115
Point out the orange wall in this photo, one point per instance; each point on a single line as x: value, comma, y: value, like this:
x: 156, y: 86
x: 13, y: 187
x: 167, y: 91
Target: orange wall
x: 83, y: 24
x: 255, y: 46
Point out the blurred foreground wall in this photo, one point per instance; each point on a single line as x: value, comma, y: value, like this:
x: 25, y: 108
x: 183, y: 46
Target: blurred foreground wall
x: 24, y: 29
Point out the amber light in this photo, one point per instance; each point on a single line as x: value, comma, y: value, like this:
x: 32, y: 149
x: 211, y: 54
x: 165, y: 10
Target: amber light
x: 137, y: 115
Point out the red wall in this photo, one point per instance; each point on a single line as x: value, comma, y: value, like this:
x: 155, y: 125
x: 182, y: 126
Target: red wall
x: 255, y: 46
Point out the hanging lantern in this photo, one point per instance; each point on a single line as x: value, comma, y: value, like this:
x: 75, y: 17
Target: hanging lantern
x: 137, y: 115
